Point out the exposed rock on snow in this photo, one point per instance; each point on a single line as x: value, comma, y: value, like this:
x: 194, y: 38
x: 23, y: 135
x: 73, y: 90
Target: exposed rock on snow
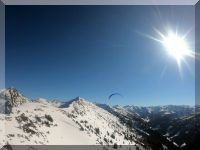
x: 43, y: 122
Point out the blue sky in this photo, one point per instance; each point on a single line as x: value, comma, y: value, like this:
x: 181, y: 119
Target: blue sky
x: 60, y: 52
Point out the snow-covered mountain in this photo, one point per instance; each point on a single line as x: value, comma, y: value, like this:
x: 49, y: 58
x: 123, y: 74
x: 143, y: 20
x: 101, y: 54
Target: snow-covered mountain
x: 171, y: 121
x: 80, y: 122
x: 10, y: 98
x: 44, y: 122
x: 176, y: 123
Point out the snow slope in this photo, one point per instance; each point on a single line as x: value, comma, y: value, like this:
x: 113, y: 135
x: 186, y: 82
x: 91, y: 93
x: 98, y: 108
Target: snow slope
x: 99, y: 123
x: 43, y: 122
x: 80, y: 122
x: 42, y: 131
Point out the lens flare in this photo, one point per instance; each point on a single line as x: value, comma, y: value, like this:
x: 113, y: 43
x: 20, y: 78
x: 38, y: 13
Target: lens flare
x: 176, y: 46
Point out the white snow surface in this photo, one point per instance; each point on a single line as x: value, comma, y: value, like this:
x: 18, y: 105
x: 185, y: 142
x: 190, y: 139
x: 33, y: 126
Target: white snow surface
x: 43, y: 123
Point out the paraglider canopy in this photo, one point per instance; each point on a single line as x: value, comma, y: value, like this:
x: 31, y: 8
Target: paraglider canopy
x: 114, y: 94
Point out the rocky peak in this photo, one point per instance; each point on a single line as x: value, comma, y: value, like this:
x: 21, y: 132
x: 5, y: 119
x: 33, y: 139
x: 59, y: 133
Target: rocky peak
x: 76, y: 100
x: 10, y: 97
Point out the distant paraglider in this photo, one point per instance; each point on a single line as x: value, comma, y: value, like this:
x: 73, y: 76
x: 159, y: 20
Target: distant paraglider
x: 111, y: 96
x: 114, y: 94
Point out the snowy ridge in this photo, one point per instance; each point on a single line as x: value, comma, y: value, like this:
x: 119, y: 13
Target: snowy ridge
x: 10, y: 98
x: 80, y: 122
x: 40, y: 121
x: 98, y: 122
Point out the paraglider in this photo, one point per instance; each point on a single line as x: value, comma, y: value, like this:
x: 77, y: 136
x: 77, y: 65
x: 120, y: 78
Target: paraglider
x: 113, y: 94
x: 109, y: 98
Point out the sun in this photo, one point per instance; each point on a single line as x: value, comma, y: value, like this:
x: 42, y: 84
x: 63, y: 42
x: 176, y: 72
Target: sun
x: 176, y: 46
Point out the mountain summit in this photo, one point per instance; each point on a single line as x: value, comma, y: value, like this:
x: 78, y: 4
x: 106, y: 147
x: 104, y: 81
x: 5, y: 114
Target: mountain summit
x: 80, y: 122
x: 10, y: 98
x: 77, y: 122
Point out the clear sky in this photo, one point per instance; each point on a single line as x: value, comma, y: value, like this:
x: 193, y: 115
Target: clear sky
x: 60, y: 52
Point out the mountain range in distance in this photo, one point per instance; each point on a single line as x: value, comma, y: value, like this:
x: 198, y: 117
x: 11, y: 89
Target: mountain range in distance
x: 79, y: 122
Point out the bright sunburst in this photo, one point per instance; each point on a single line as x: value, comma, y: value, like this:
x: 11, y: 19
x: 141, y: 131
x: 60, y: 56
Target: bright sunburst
x: 176, y: 46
